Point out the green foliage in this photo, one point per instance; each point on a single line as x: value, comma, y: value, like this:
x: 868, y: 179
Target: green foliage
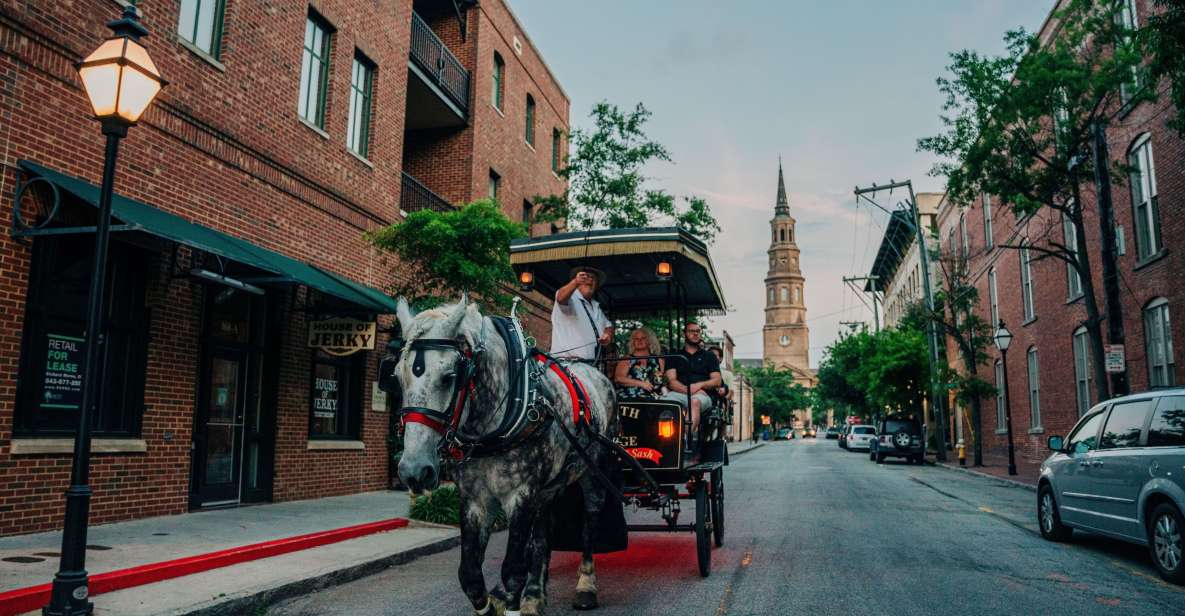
x: 607, y: 186
x: 1165, y: 39
x: 447, y: 253
x: 869, y: 373
x: 443, y: 506
x: 776, y: 394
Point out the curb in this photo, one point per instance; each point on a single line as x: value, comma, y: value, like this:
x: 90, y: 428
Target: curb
x: 747, y: 449
x: 249, y: 603
x: 1008, y: 482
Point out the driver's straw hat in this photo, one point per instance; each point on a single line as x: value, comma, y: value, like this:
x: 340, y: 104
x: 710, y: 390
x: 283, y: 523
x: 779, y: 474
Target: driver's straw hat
x: 596, y: 273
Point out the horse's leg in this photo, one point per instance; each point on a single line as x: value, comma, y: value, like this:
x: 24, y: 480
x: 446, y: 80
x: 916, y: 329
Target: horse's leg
x: 539, y: 554
x: 517, y: 561
x: 475, y: 535
x: 586, y: 584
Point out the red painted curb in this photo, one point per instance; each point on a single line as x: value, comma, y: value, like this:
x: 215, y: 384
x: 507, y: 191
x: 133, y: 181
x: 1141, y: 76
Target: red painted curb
x: 34, y: 597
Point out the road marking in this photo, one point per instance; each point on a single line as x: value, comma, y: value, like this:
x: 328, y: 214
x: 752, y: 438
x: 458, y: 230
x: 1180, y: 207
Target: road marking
x: 747, y: 559
x: 986, y: 509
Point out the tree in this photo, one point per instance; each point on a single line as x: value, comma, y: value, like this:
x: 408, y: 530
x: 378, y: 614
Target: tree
x: 776, y: 394
x: 897, y: 376
x: 1020, y: 126
x: 447, y: 253
x: 606, y: 183
x: 841, y: 375
x: 1165, y: 39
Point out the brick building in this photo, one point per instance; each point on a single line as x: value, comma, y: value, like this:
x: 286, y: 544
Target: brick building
x: 1051, y: 382
x: 288, y: 130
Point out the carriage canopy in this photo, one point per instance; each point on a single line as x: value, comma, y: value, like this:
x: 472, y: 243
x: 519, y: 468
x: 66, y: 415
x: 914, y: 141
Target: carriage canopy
x: 630, y: 259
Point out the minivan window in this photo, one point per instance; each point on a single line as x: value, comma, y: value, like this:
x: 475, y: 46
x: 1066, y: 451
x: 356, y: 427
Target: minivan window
x: 1085, y: 433
x: 1168, y: 425
x: 863, y: 430
x: 1125, y: 423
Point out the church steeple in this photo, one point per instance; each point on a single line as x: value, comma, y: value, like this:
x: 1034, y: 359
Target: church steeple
x: 783, y: 204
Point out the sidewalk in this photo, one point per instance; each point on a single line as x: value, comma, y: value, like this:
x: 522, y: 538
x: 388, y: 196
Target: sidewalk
x: 739, y: 447
x: 996, y: 467
x: 349, y: 536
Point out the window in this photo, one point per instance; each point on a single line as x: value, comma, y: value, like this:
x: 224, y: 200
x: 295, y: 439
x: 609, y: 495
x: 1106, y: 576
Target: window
x: 314, y: 70
x: 1168, y: 424
x: 1034, y: 389
x: 530, y: 118
x: 53, y: 348
x: 782, y: 233
x: 1001, y: 398
x: 797, y: 295
x: 1143, y: 189
x: 771, y: 296
x: 495, y: 181
x: 988, y: 241
x: 1082, y: 369
x: 790, y: 234
x: 993, y: 299
x: 361, y: 86
x: 1073, y: 278
x: 499, y: 77
x: 966, y: 247
x: 1124, y: 424
x: 1127, y: 18
x: 200, y: 23
x: 528, y: 214
x: 785, y: 294
x: 1158, y: 338
x: 1026, y: 280
x: 1061, y: 118
x: 556, y: 142
x: 1085, y: 437
x: 335, y: 404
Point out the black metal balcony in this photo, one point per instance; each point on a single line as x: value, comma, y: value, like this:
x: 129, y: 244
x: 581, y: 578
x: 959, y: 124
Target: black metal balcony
x: 414, y: 197
x: 438, y: 66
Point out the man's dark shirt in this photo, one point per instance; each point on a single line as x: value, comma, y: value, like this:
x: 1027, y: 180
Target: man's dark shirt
x: 696, y: 367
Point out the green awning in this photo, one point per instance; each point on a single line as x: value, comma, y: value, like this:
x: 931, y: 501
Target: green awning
x: 143, y: 217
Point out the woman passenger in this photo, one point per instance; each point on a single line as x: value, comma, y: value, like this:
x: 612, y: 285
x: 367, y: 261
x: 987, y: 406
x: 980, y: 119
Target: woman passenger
x: 640, y: 376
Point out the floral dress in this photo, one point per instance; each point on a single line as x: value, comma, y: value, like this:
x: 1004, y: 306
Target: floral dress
x: 642, y: 370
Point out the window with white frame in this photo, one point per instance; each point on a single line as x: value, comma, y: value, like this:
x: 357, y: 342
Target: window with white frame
x: 1144, y: 202
x: 1127, y: 18
x: 993, y: 299
x: 1000, y: 397
x: 314, y: 70
x: 358, y: 120
x: 1026, y: 280
x: 1082, y: 369
x: 1070, y: 239
x: 200, y: 23
x: 1158, y: 337
x: 1034, y: 389
x: 498, y: 80
x: 963, y: 236
x: 785, y: 295
x: 988, y: 240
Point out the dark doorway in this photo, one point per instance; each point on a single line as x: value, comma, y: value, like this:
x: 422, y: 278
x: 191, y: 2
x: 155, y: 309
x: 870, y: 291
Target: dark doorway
x: 234, y: 423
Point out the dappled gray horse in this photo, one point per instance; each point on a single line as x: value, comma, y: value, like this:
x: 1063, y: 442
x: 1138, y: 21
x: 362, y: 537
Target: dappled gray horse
x: 453, y: 371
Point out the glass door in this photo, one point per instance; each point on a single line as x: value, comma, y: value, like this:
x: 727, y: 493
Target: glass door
x: 221, y: 423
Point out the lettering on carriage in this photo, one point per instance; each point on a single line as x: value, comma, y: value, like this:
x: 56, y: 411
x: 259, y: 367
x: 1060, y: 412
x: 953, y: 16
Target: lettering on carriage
x: 627, y: 440
x: 631, y: 412
x: 645, y: 453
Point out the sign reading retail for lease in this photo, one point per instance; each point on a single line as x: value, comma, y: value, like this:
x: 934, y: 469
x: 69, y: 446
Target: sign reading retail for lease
x: 342, y: 336
x: 62, y: 387
x: 1114, y: 358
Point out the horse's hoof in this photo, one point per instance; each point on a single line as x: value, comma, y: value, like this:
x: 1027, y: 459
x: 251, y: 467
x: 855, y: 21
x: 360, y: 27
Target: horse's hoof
x: 585, y: 600
x: 532, y: 606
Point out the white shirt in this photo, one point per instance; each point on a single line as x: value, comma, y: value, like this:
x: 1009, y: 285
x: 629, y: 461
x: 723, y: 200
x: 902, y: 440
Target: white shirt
x: 572, y: 335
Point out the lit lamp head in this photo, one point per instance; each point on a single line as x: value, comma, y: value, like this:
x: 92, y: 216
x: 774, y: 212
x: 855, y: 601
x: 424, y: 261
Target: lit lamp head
x: 1003, y: 337
x: 666, y: 425
x: 526, y: 280
x: 664, y: 270
x: 119, y: 77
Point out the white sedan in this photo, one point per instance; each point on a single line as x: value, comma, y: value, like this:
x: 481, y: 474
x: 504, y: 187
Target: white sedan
x: 860, y: 438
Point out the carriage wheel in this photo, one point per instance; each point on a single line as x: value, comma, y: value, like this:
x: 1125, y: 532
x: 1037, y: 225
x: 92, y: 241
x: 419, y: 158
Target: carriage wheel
x: 718, y: 506
x: 703, y: 530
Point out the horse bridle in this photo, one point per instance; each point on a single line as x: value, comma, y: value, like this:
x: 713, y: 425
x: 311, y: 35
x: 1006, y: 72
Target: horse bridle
x: 444, y: 421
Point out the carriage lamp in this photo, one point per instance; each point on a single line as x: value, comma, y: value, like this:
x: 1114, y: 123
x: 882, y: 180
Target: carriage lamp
x: 526, y: 281
x: 119, y: 78
x: 663, y: 270
x: 666, y: 425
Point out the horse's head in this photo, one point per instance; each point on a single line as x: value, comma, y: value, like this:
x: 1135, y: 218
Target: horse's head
x: 436, y: 365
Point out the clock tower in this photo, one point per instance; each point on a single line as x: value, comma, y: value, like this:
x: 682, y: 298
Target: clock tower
x: 786, y: 337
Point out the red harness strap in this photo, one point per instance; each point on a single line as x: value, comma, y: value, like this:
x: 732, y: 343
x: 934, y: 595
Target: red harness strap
x: 572, y: 383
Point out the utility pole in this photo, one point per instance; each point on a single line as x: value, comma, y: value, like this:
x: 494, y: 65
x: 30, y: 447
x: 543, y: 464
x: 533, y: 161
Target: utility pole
x: 937, y: 402
x: 1102, y: 180
x: 870, y: 284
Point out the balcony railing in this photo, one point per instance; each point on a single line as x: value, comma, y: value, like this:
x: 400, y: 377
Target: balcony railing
x: 434, y: 58
x: 414, y: 197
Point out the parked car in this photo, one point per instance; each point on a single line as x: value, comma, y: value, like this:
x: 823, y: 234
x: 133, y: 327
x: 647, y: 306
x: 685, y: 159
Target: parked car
x: 1118, y: 474
x: 859, y: 438
x: 843, y: 436
x: 784, y: 434
x: 899, y: 437
x: 808, y: 433
x: 832, y: 432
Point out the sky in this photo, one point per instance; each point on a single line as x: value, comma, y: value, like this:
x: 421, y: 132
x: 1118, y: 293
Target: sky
x: 840, y: 89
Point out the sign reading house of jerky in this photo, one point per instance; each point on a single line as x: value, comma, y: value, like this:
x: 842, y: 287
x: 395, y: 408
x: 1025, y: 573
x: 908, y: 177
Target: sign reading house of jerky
x: 342, y: 336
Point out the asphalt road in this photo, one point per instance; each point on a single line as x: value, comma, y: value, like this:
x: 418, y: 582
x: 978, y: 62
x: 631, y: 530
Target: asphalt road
x: 813, y: 529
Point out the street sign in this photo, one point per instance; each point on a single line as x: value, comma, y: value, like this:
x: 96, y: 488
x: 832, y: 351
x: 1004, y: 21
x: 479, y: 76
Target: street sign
x: 853, y: 420
x: 1114, y: 359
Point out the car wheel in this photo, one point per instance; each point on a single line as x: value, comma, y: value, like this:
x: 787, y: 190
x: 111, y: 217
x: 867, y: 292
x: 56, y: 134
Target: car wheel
x: 1048, y: 518
x: 1165, y: 544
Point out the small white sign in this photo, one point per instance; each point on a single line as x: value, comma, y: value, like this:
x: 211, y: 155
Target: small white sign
x: 1115, y: 361
x: 378, y: 398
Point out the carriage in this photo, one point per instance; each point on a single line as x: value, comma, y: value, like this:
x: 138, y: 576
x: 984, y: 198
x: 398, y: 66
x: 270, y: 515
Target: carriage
x: 652, y: 273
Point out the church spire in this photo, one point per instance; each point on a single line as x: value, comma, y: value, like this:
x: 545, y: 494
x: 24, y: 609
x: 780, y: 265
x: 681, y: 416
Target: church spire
x: 783, y: 206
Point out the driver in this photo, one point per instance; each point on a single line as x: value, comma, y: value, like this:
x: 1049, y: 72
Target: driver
x: 578, y: 326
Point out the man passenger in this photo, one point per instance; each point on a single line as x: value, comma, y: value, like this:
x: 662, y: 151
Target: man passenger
x: 695, y: 370
x: 578, y: 326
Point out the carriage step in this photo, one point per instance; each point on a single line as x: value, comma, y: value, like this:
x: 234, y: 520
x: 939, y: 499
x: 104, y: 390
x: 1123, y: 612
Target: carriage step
x: 660, y: 528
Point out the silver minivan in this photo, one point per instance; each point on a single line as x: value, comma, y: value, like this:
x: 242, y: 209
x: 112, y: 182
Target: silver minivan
x: 1121, y: 473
